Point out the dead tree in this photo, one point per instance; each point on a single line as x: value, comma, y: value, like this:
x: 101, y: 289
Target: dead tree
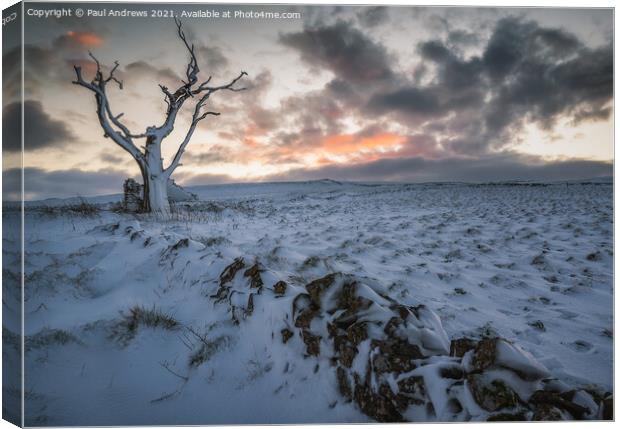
x: 154, y: 175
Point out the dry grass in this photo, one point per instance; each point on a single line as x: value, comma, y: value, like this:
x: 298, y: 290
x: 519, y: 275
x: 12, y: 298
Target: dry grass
x: 139, y: 316
x: 82, y: 208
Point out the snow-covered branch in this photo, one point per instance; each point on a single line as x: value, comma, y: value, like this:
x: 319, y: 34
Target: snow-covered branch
x: 106, y: 118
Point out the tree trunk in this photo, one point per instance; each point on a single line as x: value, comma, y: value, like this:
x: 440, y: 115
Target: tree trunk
x: 156, y: 194
x: 154, y: 180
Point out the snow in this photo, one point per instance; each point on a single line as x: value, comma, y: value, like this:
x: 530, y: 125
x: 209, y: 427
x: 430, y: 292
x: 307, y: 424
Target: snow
x: 483, y: 259
x: 512, y: 356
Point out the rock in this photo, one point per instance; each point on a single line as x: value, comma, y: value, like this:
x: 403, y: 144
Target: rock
x: 498, y: 352
x: 312, y: 342
x: 380, y: 406
x: 231, y: 270
x: 547, y: 412
x: 395, y: 355
x: 357, y: 333
x: 287, y: 334
x: 343, y: 384
x: 413, y: 388
x: 256, y: 282
x: 460, y: 346
x: 249, y: 308
x: 280, y: 288
x: 453, y: 372
x: 305, y: 317
x: 317, y: 287
x: 484, y: 354
x: 394, y: 360
x: 492, y: 396
x: 346, y: 355
x: 226, y: 276
x: 507, y: 417
x: 542, y: 397
x: 132, y: 195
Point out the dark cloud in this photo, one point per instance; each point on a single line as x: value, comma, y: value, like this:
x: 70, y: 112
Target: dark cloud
x: 41, y: 184
x: 41, y: 130
x: 344, y: 50
x: 139, y: 70
x: 373, y: 16
x: 435, y: 50
x: 213, y: 59
x: 410, y: 100
x: 526, y: 73
x: 498, y: 168
x: 541, y: 74
x: 463, y: 38
x: 42, y: 66
x: 47, y: 64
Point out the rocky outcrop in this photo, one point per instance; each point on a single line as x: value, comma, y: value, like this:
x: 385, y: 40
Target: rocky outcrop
x: 396, y: 363
x: 393, y: 361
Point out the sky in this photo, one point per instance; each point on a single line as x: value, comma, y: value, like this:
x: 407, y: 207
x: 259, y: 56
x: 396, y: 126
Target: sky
x: 405, y: 94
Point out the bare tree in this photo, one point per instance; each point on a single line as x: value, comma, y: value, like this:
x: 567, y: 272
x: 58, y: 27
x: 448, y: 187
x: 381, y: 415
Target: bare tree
x: 155, y: 176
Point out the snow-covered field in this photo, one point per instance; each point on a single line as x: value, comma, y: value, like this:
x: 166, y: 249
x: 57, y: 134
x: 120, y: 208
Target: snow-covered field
x: 531, y: 264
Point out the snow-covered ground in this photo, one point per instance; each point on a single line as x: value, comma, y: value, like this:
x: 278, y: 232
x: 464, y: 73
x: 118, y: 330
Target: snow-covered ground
x: 532, y: 264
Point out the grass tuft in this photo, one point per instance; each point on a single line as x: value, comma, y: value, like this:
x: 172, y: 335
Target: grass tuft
x: 139, y: 316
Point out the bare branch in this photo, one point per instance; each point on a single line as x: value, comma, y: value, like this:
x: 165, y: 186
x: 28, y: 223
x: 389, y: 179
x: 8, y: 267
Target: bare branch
x: 204, y: 115
x: 192, y: 67
x: 229, y: 86
x: 112, y: 77
x: 104, y: 113
x: 167, y: 93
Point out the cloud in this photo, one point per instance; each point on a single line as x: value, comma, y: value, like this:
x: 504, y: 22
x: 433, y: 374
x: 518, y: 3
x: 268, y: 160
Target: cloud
x: 41, y: 130
x: 541, y: 74
x: 525, y: 74
x: 373, y: 16
x: 463, y: 38
x: 204, y: 179
x: 503, y: 167
x: 344, y: 50
x: 215, y: 154
x: 114, y: 159
x: 139, y: 70
x: 213, y: 58
x: 410, y: 100
x: 41, y: 184
x: 78, y: 40
x: 42, y: 65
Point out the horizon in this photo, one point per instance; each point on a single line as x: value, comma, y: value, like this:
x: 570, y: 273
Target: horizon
x: 600, y: 180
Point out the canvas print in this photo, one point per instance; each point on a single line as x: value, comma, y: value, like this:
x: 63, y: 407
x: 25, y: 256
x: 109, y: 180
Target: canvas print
x: 284, y: 214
